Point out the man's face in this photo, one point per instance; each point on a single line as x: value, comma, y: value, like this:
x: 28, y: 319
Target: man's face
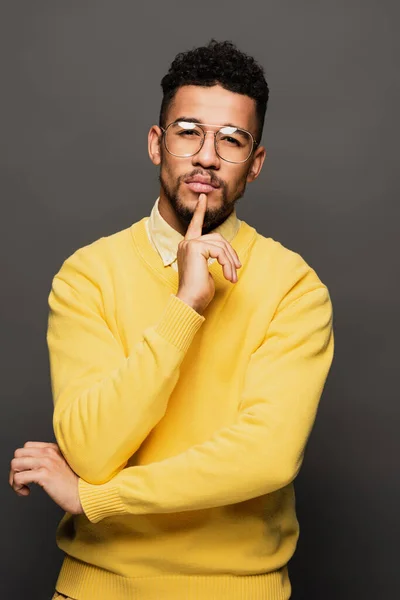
x: 214, y: 106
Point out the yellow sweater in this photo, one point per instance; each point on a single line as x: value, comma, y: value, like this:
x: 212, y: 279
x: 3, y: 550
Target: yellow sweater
x: 186, y: 430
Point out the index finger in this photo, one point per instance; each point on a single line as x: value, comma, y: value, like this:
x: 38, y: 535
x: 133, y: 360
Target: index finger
x: 195, y: 227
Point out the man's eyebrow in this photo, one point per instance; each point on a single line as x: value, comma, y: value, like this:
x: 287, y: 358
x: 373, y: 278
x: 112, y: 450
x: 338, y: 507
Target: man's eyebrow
x: 188, y: 120
x: 195, y: 120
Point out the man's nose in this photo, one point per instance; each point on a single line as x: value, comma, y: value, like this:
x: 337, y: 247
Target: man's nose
x: 207, y: 156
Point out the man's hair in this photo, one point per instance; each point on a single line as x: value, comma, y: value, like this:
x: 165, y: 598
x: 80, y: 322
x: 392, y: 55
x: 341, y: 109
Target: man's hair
x: 217, y: 63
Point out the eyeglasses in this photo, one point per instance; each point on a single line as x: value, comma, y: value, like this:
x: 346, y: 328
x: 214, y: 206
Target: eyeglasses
x: 186, y: 138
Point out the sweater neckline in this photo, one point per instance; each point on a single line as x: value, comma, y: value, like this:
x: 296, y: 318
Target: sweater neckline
x: 242, y: 241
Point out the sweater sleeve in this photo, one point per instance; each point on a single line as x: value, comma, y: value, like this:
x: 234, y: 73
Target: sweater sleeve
x: 106, y: 403
x: 263, y: 450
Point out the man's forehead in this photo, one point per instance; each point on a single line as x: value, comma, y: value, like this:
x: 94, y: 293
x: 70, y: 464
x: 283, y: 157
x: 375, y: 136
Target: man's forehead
x: 213, y: 105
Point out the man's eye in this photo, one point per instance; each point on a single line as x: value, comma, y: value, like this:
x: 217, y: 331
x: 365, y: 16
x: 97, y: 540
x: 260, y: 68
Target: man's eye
x: 188, y: 132
x: 231, y: 140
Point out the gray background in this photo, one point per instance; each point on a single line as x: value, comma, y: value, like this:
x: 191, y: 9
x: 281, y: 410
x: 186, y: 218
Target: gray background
x: 79, y: 91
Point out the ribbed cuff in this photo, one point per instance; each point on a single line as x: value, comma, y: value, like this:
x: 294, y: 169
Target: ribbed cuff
x: 99, y: 501
x: 179, y: 323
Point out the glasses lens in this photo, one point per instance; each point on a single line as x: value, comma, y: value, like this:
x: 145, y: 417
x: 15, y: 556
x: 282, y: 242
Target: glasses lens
x: 233, y: 144
x: 183, y: 139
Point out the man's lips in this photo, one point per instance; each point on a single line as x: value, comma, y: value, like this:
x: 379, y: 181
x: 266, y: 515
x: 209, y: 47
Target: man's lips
x: 201, y: 185
x: 201, y: 188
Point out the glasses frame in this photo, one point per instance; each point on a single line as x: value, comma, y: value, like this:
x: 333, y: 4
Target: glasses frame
x: 202, y: 125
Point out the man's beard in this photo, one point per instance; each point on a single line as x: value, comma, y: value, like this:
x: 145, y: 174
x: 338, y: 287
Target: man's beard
x: 213, y: 217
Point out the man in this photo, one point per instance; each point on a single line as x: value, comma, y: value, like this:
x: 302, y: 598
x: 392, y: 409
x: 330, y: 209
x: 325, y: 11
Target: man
x: 188, y: 355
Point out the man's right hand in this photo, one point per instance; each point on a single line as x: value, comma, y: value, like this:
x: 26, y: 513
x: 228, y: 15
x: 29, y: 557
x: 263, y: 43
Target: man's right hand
x: 196, y: 285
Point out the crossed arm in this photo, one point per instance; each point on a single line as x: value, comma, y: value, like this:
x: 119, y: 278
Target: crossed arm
x: 261, y: 452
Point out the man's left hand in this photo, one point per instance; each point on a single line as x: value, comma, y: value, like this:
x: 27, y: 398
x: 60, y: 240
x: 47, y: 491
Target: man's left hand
x: 43, y: 463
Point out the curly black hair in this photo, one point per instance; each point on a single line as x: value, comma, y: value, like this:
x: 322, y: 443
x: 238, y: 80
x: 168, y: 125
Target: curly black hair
x: 217, y: 63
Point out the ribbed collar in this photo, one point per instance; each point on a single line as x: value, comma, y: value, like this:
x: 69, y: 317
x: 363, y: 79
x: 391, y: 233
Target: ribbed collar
x: 241, y: 242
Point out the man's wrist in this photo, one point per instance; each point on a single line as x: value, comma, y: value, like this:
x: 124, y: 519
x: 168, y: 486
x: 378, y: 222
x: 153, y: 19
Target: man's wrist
x: 190, y: 303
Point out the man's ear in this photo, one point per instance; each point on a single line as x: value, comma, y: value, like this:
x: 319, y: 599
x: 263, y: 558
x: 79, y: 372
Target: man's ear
x: 154, y: 144
x: 257, y: 163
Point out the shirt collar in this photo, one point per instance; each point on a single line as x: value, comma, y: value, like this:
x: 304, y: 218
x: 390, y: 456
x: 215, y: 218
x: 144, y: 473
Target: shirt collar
x: 165, y: 238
